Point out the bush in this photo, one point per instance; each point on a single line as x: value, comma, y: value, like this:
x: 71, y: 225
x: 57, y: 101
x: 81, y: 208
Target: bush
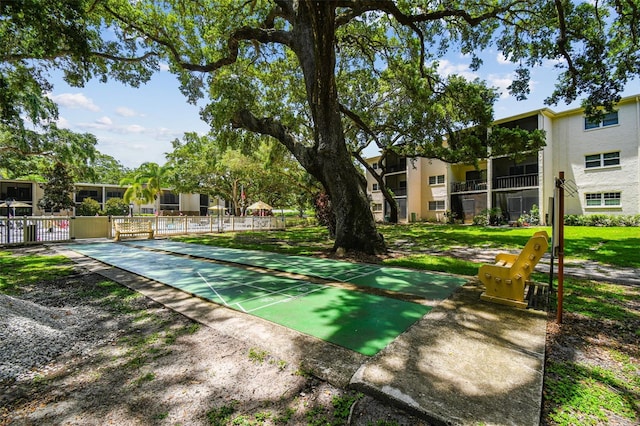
x: 480, y: 220
x: 601, y: 220
x: 116, y: 207
x: 324, y: 212
x: 491, y: 217
x: 89, y: 207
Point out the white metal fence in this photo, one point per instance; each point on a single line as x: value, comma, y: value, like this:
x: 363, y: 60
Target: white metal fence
x: 34, y: 230
x: 42, y: 229
x: 176, y: 225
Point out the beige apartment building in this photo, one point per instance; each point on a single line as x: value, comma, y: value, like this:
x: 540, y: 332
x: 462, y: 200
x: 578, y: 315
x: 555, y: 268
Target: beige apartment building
x: 600, y: 160
x: 28, y: 193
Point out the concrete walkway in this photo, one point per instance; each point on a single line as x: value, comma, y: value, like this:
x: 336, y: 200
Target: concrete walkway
x: 467, y: 362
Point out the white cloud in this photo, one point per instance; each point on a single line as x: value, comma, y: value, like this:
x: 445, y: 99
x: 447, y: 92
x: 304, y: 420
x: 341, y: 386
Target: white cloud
x: 133, y: 128
x: 127, y: 112
x: 502, y: 60
x: 446, y: 68
x: 63, y: 123
x: 162, y: 133
x: 104, y: 121
x: 164, y: 66
x: 501, y: 82
x: 74, y: 101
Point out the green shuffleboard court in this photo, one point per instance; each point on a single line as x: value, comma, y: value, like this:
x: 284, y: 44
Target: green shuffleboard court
x: 429, y: 285
x: 362, y: 322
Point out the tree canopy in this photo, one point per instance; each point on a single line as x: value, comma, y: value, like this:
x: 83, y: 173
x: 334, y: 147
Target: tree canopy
x: 208, y: 165
x: 306, y: 72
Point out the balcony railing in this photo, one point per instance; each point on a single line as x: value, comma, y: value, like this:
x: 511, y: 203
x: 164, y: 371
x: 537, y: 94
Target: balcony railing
x: 392, y: 168
x: 519, y: 181
x: 399, y: 192
x: 469, y: 185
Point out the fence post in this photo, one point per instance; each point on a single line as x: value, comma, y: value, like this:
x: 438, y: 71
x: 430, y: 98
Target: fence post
x: 24, y: 229
x: 72, y: 227
x: 560, y: 184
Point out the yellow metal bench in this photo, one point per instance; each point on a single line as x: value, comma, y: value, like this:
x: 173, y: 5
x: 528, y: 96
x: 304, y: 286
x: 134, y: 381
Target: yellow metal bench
x: 133, y: 228
x: 505, y: 281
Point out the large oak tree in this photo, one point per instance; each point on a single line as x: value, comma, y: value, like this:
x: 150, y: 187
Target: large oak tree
x: 293, y: 69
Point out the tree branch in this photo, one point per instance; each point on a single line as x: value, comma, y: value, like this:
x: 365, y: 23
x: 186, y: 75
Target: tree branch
x: 262, y: 35
x: 268, y: 126
x: 360, y: 123
x: 562, y: 42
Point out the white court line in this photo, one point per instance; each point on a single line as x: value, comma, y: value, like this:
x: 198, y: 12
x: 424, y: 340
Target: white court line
x: 268, y: 293
x: 213, y: 289
x: 355, y: 276
x: 285, y: 300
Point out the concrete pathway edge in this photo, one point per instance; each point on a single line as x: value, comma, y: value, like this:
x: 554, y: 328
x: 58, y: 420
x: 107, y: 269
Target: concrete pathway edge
x: 467, y: 362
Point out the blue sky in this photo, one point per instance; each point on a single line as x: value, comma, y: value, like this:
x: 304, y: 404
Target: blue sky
x: 138, y: 125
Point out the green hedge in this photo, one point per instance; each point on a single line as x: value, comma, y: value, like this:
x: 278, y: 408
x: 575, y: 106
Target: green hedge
x: 601, y: 220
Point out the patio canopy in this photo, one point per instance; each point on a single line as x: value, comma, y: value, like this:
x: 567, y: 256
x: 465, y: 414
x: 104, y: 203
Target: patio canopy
x: 15, y: 204
x: 260, y: 206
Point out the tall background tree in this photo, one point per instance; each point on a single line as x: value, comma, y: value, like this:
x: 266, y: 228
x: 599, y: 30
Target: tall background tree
x: 58, y: 189
x: 275, y: 67
x: 31, y: 152
x: 210, y: 165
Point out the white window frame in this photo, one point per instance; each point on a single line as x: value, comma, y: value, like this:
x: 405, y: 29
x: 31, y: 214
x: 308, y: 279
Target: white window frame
x: 374, y: 187
x: 603, y: 199
x: 609, y: 119
x: 602, y: 160
x: 436, y: 205
x: 436, y: 180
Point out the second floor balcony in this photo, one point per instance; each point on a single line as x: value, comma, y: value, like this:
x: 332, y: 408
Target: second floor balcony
x: 469, y: 186
x: 516, y: 181
x: 399, y: 192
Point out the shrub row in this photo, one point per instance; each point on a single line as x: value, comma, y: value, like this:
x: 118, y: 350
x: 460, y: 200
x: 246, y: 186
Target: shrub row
x: 601, y: 220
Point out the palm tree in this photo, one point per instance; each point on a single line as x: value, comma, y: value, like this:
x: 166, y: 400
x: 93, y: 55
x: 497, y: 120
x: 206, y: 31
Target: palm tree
x: 145, y: 185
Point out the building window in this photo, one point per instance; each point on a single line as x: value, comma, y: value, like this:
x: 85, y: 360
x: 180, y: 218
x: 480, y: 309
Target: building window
x: 115, y: 194
x: 435, y: 180
x: 603, y: 199
x: 611, y: 198
x: 436, y: 205
x: 375, y: 166
x: 610, y: 119
x: 606, y: 159
x: 376, y: 207
x: 374, y: 187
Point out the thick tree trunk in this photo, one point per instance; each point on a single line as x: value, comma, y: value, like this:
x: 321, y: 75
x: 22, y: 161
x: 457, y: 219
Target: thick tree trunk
x: 355, y: 227
x: 332, y: 164
x: 328, y: 159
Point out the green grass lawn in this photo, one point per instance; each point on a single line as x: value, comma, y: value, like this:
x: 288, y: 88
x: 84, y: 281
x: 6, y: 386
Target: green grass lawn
x: 17, y: 271
x: 616, y: 246
x: 601, y: 319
